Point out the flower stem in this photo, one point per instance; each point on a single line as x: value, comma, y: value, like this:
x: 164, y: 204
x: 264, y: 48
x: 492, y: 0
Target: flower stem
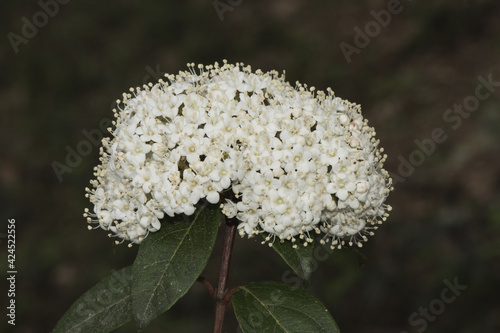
x: 220, y: 293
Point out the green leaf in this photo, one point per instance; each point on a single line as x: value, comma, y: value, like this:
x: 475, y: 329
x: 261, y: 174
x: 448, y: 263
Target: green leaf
x: 277, y: 307
x: 103, y: 308
x: 170, y: 260
x: 300, y: 260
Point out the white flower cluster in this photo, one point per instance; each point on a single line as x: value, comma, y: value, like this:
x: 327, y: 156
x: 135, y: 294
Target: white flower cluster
x: 283, y: 160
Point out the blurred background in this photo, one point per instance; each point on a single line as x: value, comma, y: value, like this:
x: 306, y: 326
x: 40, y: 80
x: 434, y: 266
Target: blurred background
x: 62, y: 68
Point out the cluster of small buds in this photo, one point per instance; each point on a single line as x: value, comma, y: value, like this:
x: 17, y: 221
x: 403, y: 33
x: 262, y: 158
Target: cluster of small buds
x: 287, y: 161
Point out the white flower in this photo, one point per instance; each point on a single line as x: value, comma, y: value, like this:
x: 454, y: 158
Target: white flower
x: 298, y: 159
x: 211, y: 191
x: 284, y: 160
x: 136, y: 151
x: 148, y: 130
x: 193, y: 147
x: 146, y: 178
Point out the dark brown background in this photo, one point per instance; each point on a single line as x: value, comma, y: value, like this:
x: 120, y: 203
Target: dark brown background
x: 446, y: 219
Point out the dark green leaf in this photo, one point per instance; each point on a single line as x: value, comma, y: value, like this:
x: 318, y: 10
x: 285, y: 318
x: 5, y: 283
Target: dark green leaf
x: 300, y: 259
x: 103, y: 308
x: 170, y: 260
x: 276, y: 307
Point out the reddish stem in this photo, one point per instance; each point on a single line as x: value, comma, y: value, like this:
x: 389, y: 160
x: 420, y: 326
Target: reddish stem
x: 207, y: 284
x: 220, y: 300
